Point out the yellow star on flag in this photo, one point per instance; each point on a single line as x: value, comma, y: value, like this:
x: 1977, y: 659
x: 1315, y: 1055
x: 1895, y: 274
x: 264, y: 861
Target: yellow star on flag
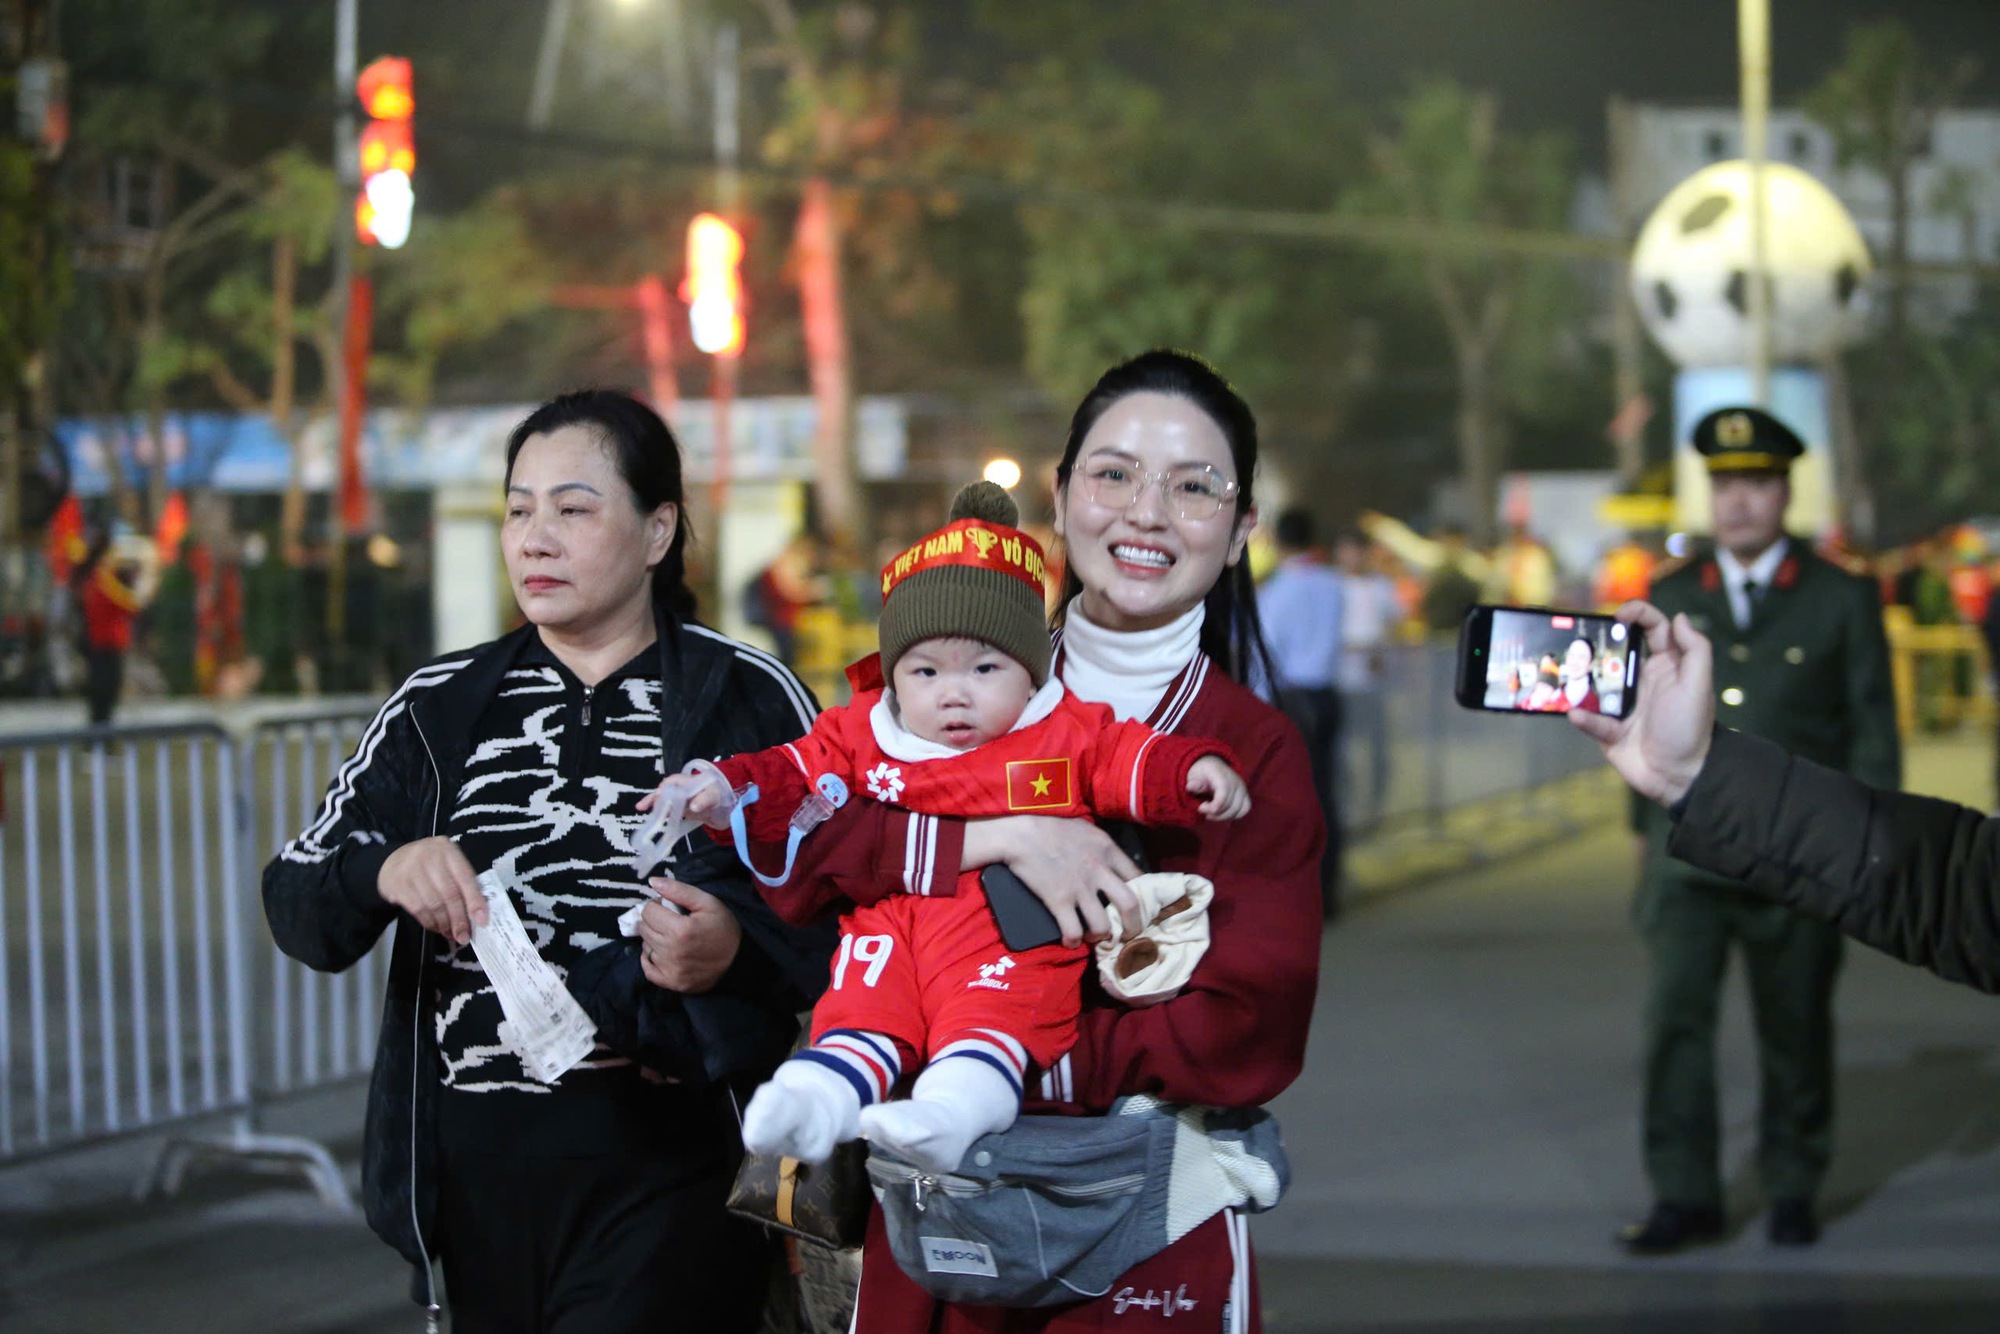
x: 1041, y: 784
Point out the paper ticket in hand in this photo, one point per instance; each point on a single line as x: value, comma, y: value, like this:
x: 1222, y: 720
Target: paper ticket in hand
x: 545, y: 1026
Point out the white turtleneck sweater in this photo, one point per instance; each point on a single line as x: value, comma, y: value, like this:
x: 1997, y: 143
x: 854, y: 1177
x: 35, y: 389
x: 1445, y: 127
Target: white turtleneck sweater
x: 1129, y: 670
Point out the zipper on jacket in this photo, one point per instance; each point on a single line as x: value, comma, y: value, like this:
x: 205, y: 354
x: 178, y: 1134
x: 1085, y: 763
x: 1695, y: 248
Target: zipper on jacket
x: 431, y: 1307
x: 574, y: 749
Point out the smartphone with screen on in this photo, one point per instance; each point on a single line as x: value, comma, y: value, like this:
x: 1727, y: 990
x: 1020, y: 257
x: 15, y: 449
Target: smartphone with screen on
x: 1539, y: 660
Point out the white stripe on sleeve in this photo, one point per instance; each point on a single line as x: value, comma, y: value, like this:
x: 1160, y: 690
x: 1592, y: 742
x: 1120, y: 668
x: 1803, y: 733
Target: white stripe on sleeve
x: 778, y: 672
x: 342, y: 789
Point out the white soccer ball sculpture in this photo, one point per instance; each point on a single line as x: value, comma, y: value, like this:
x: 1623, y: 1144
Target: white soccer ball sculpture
x: 1690, y: 268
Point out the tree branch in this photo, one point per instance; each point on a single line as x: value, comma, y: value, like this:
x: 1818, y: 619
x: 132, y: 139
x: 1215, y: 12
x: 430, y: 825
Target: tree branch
x: 206, y: 162
x: 173, y: 237
x: 784, y: 21
x: 233, y: 391
x: 1452, y: 302
x: 217, y: 228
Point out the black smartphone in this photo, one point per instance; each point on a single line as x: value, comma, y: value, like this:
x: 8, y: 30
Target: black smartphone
x: 1025, y: 923
x: 1538, y: 660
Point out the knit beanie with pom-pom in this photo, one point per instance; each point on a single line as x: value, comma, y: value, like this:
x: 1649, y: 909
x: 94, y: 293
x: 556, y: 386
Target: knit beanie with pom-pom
x: 978, y: 577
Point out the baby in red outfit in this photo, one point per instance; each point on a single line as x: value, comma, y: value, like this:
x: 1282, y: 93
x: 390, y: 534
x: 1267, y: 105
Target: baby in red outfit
x: 971, y: 726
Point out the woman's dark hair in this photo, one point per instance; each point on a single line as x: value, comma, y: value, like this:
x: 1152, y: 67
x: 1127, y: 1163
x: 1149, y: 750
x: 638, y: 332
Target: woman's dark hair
x: 1231, y: 634
x: 647, y: 457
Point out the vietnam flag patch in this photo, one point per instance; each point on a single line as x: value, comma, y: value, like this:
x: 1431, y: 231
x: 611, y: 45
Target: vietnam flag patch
x: 1038, y: 785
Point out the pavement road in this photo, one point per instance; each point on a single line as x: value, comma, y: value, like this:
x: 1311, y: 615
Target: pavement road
x: 1465, y: 1141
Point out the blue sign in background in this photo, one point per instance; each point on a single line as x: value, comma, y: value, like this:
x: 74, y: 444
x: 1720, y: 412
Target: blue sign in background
x: 770, y: 438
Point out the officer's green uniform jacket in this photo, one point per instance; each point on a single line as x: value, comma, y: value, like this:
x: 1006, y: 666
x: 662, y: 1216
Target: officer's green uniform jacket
x: 1810, y: 673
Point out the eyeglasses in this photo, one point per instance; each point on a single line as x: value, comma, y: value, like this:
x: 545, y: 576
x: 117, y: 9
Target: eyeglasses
x: 1192, y: 490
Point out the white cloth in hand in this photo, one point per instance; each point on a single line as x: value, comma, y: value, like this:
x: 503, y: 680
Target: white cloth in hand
x: 1157, y: 964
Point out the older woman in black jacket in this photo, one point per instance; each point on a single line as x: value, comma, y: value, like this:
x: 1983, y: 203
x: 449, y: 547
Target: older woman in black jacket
x: 594, y: 1202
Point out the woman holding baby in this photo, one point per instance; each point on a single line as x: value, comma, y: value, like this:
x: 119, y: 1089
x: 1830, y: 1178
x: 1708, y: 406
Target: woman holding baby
x: 1154, y: 506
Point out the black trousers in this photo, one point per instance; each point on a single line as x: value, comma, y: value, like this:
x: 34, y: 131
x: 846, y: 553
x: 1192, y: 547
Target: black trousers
x: 103, y: 680
x: 607, y: 1244
x: 1790, y: 964
x: 1316, y: 713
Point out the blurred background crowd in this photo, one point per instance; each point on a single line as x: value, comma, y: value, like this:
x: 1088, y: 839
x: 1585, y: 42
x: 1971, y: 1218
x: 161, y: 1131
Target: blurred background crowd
x: 231, y: 618
x: 274, y: 408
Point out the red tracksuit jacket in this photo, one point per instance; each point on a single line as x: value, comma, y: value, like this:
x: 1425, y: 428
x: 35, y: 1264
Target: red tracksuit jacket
x: 1234, y: 1037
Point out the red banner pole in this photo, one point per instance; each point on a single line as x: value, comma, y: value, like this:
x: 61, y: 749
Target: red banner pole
x: 723, y: 397
x: 354, y: 404
x: 817, y: 248
x: 656, y: 329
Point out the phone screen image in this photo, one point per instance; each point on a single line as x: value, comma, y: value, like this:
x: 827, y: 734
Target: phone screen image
x: 1524, y: 660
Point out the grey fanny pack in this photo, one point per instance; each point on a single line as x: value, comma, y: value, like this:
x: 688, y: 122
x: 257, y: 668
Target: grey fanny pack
x: 1056, y: 1208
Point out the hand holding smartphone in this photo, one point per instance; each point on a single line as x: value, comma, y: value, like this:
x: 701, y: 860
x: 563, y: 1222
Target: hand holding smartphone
x: 1538, y: 660
x: 1025, y: 922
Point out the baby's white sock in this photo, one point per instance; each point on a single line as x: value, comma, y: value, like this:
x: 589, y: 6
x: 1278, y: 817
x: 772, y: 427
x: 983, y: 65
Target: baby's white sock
x: 802, y: 1112
x: 954, y: 1101
x: 814, y: 1100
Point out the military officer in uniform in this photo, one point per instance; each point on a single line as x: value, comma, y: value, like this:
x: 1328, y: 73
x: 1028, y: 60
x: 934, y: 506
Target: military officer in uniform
x: 1801, y: 658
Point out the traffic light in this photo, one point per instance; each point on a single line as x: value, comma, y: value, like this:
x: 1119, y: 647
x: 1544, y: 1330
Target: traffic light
x: 388, y: 153
x: 713, y: 289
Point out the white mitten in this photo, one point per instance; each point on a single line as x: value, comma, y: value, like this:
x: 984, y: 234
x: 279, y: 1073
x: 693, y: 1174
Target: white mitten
x: 1158, y: 962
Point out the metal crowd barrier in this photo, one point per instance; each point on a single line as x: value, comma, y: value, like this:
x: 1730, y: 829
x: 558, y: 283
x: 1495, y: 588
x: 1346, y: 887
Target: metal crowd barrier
x: 139, y: 991
x: 1940, y: 673
x: 1442, y: 758
x: 315, y: 1027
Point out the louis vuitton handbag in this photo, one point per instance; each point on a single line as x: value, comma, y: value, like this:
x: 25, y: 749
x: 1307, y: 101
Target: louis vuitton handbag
x: 824, y: 1203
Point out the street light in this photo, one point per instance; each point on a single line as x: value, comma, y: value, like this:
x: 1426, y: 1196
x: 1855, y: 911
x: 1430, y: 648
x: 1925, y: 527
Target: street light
x: 1004, y: 473
x: 1753, y: 35
x: 713, y: 288
x: 548, y: 60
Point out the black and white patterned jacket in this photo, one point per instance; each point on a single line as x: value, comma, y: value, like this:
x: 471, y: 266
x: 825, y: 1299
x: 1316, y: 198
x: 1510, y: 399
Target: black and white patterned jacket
x: 719, y: 697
